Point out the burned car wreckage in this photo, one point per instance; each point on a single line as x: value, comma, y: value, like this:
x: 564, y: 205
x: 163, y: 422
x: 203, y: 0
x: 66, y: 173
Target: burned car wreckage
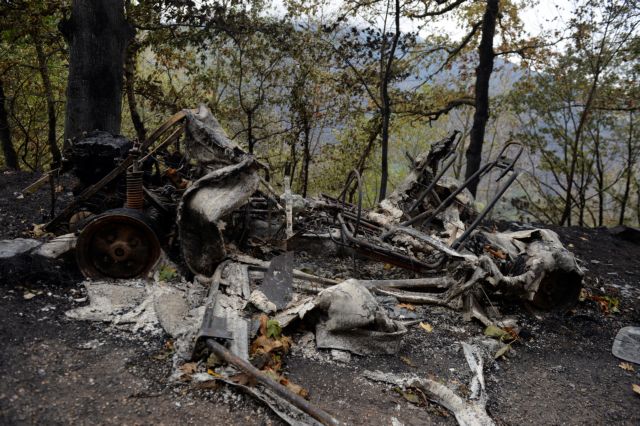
x: 190, y: 197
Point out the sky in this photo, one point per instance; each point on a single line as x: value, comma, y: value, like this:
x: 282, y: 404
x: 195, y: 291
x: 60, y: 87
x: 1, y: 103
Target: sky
x: 545, y: 15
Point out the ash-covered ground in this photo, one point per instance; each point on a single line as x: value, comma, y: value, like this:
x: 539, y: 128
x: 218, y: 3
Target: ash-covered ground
x: 56, y: 370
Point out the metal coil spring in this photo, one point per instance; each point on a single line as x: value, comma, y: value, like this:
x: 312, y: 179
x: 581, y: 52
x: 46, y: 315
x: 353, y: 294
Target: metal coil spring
x: 135, y: 192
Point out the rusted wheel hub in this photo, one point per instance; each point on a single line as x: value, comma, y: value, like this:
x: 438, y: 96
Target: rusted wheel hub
x: 117, y: 244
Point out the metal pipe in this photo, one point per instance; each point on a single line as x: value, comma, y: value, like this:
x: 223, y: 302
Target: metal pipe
x: 446, y: 203
x: 317, y: 413
x: 354, y: 174
x: 486, y: 210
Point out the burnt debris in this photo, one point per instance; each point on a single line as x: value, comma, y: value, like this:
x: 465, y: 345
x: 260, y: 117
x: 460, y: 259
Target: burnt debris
x: 201, y: 246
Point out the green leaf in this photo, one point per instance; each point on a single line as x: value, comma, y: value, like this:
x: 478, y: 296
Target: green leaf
x: 496, y: 332
x: 167, y: 273
x: 273, y: 329
x: 411, y: 397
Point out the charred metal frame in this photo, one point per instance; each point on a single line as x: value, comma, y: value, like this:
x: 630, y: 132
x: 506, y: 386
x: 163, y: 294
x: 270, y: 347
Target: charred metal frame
x: 501, y: 162
x: 351, y: 223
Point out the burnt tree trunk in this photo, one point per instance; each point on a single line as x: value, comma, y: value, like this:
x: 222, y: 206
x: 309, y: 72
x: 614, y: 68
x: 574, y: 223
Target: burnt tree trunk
x: 56, y: 157
x: 10, y: 156
x: 97, y: 34
x: 483, y: 75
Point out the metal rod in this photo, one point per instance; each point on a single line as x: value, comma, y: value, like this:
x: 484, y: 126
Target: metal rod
x: 439, y: 282
x: 486, y: 210
x: 89, y: 192
x: 354, y: 174
x: 446, y: 203
x: 317, y: 413
x: 433, y: 242
x: 166, y: 142
x: 379, y: 253
x: 498, y: 162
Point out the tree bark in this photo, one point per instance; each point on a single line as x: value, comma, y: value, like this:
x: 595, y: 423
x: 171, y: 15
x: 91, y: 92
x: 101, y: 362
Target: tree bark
x: 306, y: 158
x: 10, y: 156
x: 385, y: 110
x: 250, y: 140
x: 56, y: 158
x: 629, y: 171
x: 483, y: 75
x: 97, y: 34
x: 599, y: 176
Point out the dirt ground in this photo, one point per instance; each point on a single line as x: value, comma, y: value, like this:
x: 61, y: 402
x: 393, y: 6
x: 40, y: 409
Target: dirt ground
x: 58, y: 371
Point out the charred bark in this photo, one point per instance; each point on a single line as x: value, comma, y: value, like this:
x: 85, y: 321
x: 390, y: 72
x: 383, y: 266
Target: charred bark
x: 10, y: 156
x: 483, y: 75
x: 97, y: 34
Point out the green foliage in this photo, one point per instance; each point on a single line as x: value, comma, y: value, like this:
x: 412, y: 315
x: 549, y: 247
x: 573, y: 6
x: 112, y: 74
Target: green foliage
x: 167, y: 273
x: 24, y: 24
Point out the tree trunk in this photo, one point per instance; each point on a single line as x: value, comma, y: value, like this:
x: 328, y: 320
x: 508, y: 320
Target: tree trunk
x: 306, y: 159
x: 600, y: 176
x: 56, y: 158
x: 97, y: 34
x: 385, y: 110
x: 629, y: 171
x: 250, y: 141
x: 130, y: 77
x: 566, y: 213
x: 10, y: 156
x: 483, y: 75
x: 290, y: 167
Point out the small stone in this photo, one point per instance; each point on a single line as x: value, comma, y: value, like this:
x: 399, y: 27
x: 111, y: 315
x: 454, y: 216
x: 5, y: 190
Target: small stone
x: 340, y: 356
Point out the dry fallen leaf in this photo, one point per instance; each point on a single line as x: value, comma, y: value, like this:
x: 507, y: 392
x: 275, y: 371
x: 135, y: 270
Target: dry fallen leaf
x: 243, y: 379
x: 502, y: 351
x: 407, y: 361
x: 626, y: 366
x: 407, y: 306
x: 411, y: 397
x: 636, y: 388
x: 213, y: 373
x: 38, y: 230
x: 584, y: 295
x: 270, y: 343
x: 208, y: 385
x: 495, y: 252
x: 189, y: 367
x: 426, y: 327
